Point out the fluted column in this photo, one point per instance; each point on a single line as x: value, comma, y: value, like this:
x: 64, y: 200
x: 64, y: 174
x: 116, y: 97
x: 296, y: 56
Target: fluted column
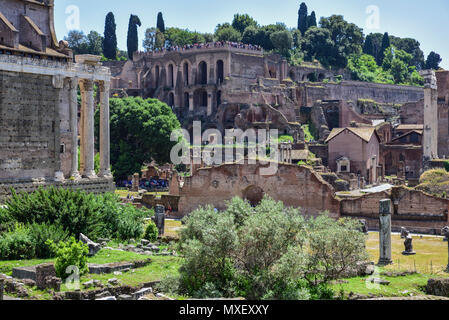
x: 105, y: 161
x: 73, y: 100
x: 88, y: 128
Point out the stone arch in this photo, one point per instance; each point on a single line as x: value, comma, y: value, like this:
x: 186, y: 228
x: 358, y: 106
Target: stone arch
x: 254, y: 194
x: 186, y: 70
x: 200, y: 98
x: 171, y: 75
x: 202, y: 72
x: 171, y: 99
x: 220, y: 71
x: 186, y: 100
x: 320, y: 77
x: 157, y: 75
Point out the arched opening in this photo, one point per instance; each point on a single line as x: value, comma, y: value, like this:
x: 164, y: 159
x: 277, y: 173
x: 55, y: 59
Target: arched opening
x: 218, y: 98
x: 171, y: 99
x: 202, y: 73
x: 186, y: 74
x: 186, y: 100
x: 156, y: 76
x: 171, y: 81
x: 200, y: 98
x: 220, y: 72
x: 254, y: 195
x: 321, y: 77
x: 311, y: 77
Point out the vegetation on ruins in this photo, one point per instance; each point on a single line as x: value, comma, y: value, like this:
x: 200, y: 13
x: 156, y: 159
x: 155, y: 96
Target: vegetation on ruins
x: 80, y: 43
x: 140, y: 133
x: 264, y: 252
x: 29, y: 220
x: 435, y: 182
x: 110, y: 37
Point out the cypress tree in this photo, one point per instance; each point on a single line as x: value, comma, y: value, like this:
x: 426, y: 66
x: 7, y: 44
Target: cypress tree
x: 368, y: 47
x: 311, y: 20
x: 385, y: 44
x: 110, y: 37
x: 302, y: 18
x: 160, y: 22
x: 433, y: 61
x: 133, y: 38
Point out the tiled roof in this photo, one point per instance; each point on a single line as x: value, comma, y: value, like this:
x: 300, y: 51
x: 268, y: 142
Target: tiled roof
x: 364, y: 133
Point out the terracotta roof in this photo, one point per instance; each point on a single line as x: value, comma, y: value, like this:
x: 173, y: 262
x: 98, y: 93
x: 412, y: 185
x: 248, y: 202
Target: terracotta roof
x: 420, y: 132
x: 410, y: 127
x: 8, y: 24
x: 364, y: 133
x: 24, y: 49
x: 33, y: 25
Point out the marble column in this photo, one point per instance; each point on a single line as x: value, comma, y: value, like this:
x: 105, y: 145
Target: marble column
x: 88, y: 130
x: 73, y: 104
x: 105, y: 162
x: 385, y: 232
x: 81, y: 125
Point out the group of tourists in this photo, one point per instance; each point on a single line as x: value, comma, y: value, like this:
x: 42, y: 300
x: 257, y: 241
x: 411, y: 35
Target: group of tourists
x: 217, y: 44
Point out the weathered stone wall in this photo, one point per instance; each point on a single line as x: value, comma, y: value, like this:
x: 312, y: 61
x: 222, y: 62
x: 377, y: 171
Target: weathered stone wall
x: 29, y: 126
x: 356, y: 90
x: 414, y: 209
x: 294, y: 185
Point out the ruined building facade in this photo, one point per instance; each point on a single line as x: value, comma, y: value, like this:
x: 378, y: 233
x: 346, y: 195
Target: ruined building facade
x: 39, y: 80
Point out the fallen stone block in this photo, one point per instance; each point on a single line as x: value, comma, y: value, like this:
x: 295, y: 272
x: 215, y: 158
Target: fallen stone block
x: 438, y: 287
x: 141, y: 293
x: 107, y: 299
x: 93, y: 246
x: 24, y: 273
x: 124, y: 297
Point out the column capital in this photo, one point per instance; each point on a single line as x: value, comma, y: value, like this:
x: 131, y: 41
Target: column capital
x: 86, y: 85
x: 104, y: 86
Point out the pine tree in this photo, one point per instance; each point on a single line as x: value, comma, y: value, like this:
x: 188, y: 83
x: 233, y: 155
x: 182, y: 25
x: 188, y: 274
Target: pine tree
x: 133, y: 38
x: 433, y: 61
x: 311, y: 20
x: 385, y: 44
x: 110, y: 37
x: 302, y: 18
x: 160, y: 22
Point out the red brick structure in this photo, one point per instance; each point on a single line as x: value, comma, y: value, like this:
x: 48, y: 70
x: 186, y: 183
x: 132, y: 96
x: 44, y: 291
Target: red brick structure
x: 294, y: 185
x: 360, y: 146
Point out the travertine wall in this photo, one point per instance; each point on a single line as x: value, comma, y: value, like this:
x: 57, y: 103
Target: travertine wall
x: 29, y: 123
x: 294, y: 185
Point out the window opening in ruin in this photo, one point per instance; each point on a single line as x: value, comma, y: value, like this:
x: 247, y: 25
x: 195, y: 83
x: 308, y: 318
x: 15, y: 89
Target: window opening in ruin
x: 220, y: 72
x: 218, y: 98
x: 171, y: 81
x: 202, y: 68
x: 62, y: 148
x: 186, y: 74
x: 186, y: 100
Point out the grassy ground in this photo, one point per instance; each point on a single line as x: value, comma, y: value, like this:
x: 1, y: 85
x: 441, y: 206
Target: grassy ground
x: 430, y: 261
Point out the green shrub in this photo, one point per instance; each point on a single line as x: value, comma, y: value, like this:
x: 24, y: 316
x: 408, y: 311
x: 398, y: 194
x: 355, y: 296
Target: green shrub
x: 41, y: 233
x: 266, y: 252
x: 151, y: 232
x: 70, y: 253
x: 446, y: 166
x: 96, y: 216
x: 17, y: 244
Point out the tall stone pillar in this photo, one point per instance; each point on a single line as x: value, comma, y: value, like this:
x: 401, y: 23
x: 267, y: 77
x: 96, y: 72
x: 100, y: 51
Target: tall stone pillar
x: 73, y: 105
x: 88, y: 129
x: 105, y: 162
x: 385, y: 232
x: 430, y: 135
x: 81, y: 125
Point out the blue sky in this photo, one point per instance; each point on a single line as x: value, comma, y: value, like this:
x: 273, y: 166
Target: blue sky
x: 428, y: 21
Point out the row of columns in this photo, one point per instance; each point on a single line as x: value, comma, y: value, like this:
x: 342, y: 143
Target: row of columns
x: 87, y: 145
